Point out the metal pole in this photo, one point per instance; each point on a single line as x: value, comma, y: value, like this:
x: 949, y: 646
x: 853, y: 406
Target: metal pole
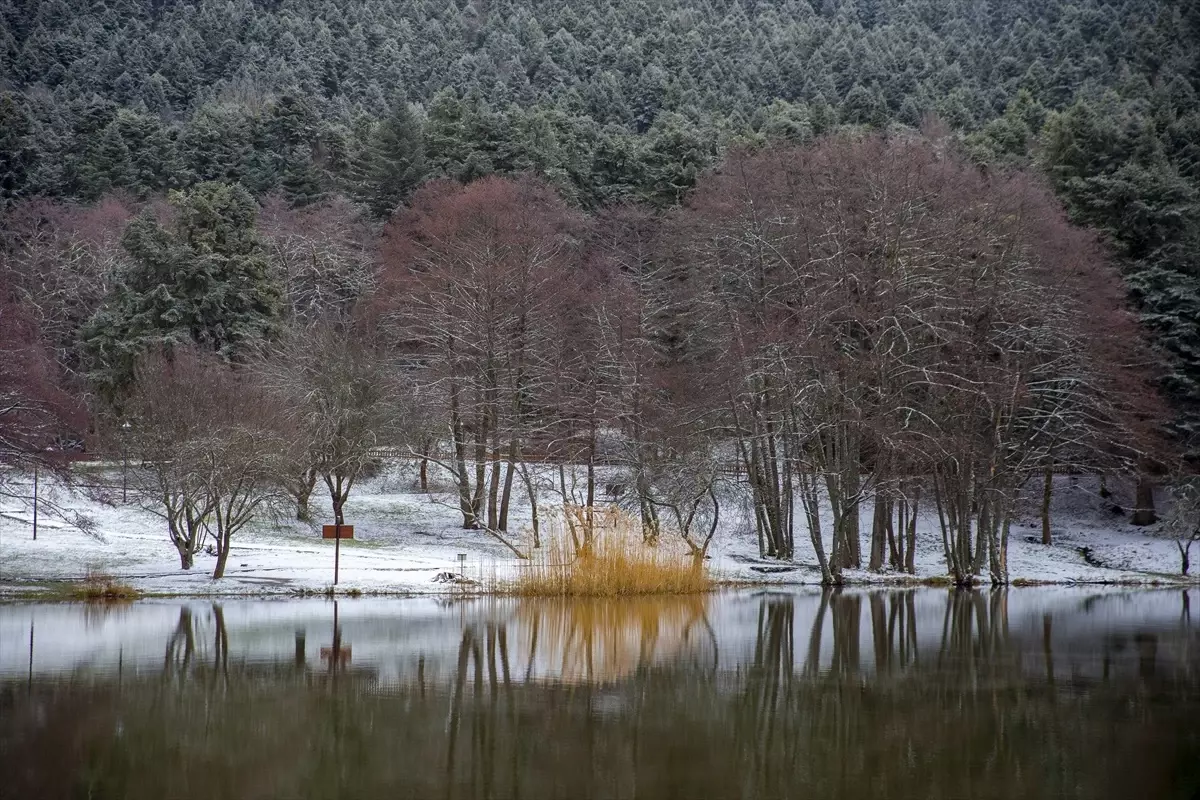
x: 35, y: 501
x: 337, y: 550
x: 31, y: 655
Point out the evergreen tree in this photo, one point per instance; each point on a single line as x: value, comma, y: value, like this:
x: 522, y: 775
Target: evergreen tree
x: 204, y: 280
x: 17, y: 155
x: 447, y: 135
x: 299, y: 177
x: 394, y: 162
x: 105, y: 165
x: 784, y: 120
x: 675, y: 155
x: 214, y: 145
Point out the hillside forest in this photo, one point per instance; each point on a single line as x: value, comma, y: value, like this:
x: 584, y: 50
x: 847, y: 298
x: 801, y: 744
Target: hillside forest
x: 880, y: 257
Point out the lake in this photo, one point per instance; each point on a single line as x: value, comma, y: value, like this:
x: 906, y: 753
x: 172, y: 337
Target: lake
x: 923, y: 693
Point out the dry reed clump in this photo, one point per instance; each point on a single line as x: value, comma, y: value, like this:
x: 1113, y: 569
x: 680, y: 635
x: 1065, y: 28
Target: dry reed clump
x: 97, y: 587
x: 613, y: 561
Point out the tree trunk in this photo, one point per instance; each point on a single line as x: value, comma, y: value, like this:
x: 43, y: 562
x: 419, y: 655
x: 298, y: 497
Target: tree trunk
x: 879, y: 527
x: 1143, y: 511
x: 851, y: 489
x: 755, y: 472
x: 789, y: 501
x: 506, y: 494
x: 494, y: 483
x: 649, y: 514
x: 185, y: 526
x: 910, y: 553
x: 952, y: 497
x: 591, y: 487
x: 770, y: 460
x: 338, y: 489
x: 459, y: 435
x: 222, y: 555
x: 895, y: 543
x: 304, y: 490
x: 186, y: 557
x: 831, y: 574
x: 843, y: 485
x: 480, y: 469
x: 1005, y: 531
x: 1047, y: 494
x: 983, y: 529
x: 533, y: 506
x: 562, y: 484
x: 758, y: 526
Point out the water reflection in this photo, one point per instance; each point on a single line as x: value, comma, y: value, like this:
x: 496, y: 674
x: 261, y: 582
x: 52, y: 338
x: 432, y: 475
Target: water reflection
x: 916, y: 693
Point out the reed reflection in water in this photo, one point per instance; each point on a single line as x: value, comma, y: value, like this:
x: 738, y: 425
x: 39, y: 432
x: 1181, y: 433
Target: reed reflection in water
x: 916, y: 693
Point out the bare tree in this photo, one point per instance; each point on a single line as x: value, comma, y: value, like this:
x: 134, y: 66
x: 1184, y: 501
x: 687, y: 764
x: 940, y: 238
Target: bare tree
x: 165, y: 414
x: 242, y: 457
x: 323, y: 256
x: 341, y: 401
x: 685, y: 485
x: 886, y: 315
x: 626, y: 328
x: 1183, y: 520
x: 473, y: 277
x: 208, y: 448
x: 60, y: 260
x: 37, y: 413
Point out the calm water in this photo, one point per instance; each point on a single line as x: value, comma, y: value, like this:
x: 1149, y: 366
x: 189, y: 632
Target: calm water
x: 1027, y: 693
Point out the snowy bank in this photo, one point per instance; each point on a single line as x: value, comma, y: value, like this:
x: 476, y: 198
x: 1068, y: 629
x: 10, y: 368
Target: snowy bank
x: 404, y: 538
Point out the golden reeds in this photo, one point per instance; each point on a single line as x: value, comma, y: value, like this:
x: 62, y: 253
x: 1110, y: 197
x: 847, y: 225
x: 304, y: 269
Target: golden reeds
x: 601, y: 554
x: 97, y: 587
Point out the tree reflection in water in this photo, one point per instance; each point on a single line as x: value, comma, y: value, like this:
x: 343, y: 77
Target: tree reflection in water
x: 913, y: 693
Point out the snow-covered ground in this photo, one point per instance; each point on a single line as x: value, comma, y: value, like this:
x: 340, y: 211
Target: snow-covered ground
x: 404, y: 538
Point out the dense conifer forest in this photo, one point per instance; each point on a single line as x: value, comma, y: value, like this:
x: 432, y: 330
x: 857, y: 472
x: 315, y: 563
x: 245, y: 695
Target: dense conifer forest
x: 220, y: 175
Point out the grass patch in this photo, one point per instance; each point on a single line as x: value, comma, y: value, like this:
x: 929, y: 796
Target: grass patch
x: 364, y: 544
x: 613, y: 562
x: 1019, y: 582
x: 330, y: 592
x: 98, y: 587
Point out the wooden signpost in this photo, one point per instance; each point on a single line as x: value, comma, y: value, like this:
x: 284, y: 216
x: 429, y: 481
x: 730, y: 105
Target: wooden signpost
x: 337, y: 533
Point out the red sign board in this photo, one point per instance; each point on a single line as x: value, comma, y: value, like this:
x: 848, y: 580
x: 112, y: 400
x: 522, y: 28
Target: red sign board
x: 331, y: 531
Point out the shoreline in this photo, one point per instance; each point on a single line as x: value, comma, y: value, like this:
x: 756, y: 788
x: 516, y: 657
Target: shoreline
x: 53, y: 590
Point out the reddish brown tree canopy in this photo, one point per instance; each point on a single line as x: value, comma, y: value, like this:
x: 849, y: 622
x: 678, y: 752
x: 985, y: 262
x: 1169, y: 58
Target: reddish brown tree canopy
x: 36, y: 414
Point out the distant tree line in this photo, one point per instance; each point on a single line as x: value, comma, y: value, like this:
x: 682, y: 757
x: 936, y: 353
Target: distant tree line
x: 615, y: 101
